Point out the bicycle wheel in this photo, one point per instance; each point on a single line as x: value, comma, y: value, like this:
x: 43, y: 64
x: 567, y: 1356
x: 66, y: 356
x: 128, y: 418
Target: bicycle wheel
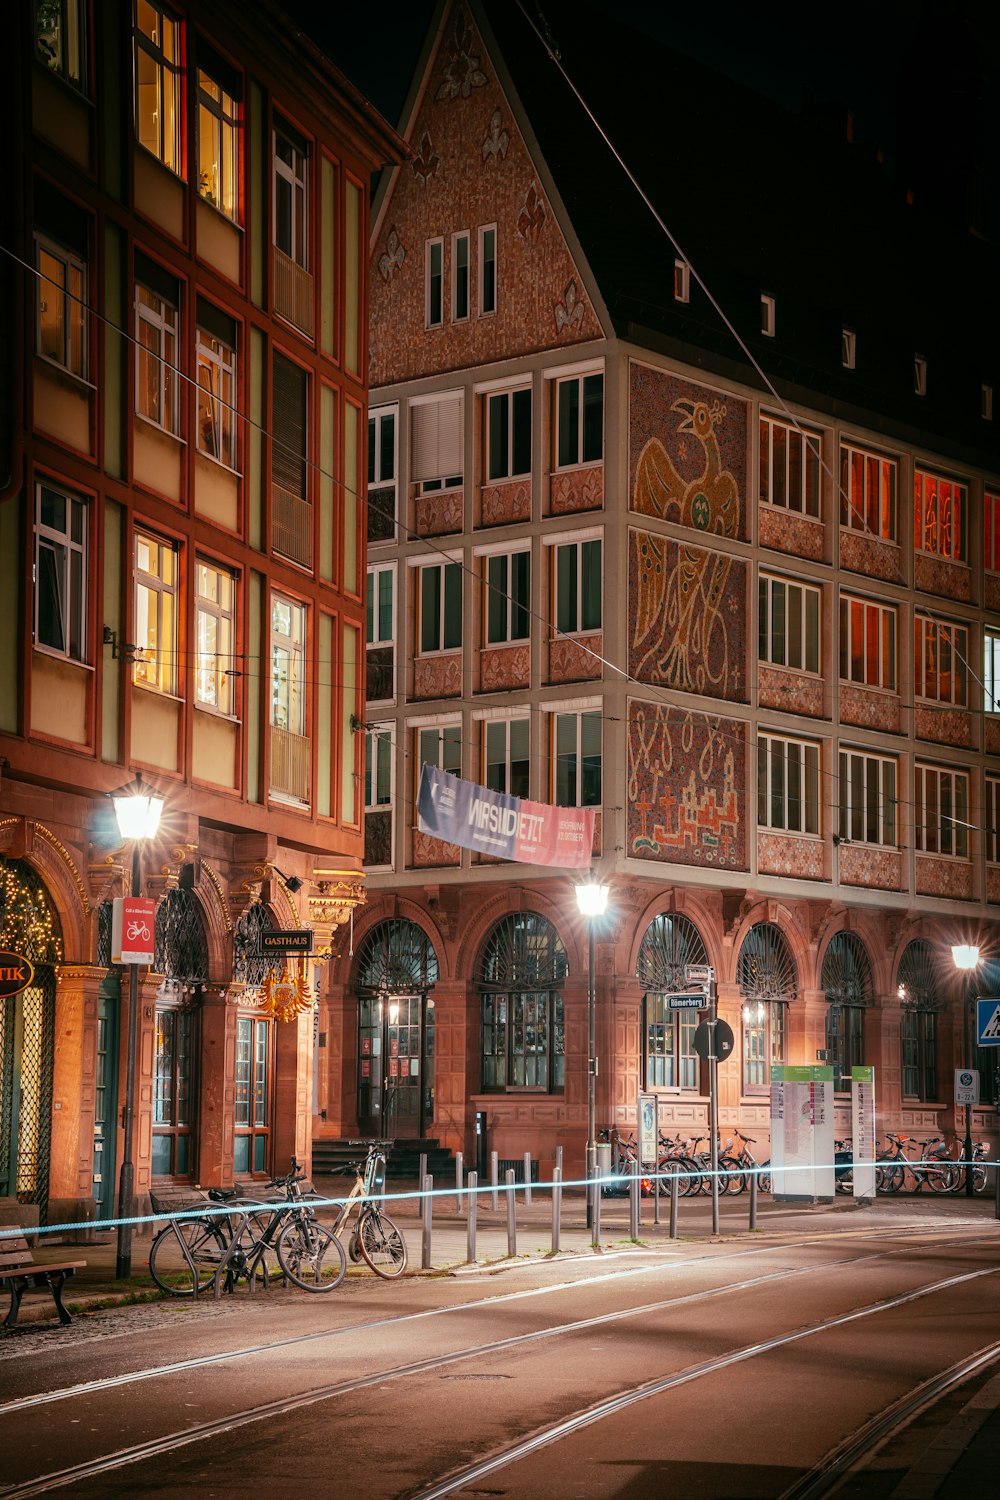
x: 205, y: 1243
x: 888, y: 1177
x: 943, y: 1179
x: 978, y: 1178
x: 381, y: 1244
x: 732, y: 1179
x: 764, y: 1176
x: 311, y: 1256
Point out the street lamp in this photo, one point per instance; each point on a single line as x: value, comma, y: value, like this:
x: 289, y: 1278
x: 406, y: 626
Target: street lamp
x: 138, y: 811
x: 965, y: 957
x: 592, y: 899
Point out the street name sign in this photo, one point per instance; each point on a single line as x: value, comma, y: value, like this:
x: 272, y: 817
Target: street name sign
x: 988, y: 1022
x: 687, y: 1002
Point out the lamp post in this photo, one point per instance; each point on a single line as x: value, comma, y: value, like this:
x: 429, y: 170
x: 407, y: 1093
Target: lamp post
x: 138, y: 813
x: 592, y: 899
x: 966, y: 958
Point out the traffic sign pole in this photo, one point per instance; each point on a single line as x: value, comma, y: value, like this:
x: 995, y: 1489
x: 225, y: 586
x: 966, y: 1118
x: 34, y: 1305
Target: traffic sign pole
x: 713, y: 1098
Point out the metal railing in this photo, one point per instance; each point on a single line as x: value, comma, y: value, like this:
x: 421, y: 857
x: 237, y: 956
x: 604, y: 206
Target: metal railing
x: 291, y: 526
x: 293, y: 293
x: 290, y: 757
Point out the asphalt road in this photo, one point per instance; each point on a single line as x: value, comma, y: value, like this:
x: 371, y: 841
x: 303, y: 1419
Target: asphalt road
x: 682, y: 1369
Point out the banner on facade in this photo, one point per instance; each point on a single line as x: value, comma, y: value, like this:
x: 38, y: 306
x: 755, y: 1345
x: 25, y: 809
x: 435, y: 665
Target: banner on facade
x: 534, y: 833
x: 133, y: 924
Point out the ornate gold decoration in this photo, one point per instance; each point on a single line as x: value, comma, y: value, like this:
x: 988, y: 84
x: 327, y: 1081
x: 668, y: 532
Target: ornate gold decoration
x: 216, y: 883
x: 334, y: 896
x: 285, y: 995
x: 70, y: 864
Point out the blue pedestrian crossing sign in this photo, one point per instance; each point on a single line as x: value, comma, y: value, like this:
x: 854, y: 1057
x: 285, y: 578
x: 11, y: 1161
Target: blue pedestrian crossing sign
x: 988, y: 1022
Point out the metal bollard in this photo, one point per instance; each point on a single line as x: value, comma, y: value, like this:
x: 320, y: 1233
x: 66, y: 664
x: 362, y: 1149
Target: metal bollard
x: 426, y: 1216
x: 527, y: 1179
x: 495, y: 1179
x: 997, y: 1171
x: 657, y: 1179
x: 594, y: 1187
x: 511, y: 1215
x: 634, y: 1188
x: 459, y: 1179
x: 556, y: 1208
x: 470, y: 1237
x: 421, y: 1173
x: 753, y: 1200
x: 675, y: 1183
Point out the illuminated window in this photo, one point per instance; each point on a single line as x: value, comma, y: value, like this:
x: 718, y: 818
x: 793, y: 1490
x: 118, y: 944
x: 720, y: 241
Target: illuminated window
x: 789, y: 466
x: 216, y: 355
x: 155, y: 630
x: 62, y: 279
x: 61, y: 537
x: 991, y: 672
x: 291, y: 216
x: 867, y: 642
x: 156, y: 377
x: 215, y: 596
x: 940, y: 507
x: 158, y: 83
x: 868, y: 492
x: 252, y: 1090
x: 991, y: 532
x: 218, y: 142
x: 788, y: 623
x: 60, y: 38
x: 940, y: 661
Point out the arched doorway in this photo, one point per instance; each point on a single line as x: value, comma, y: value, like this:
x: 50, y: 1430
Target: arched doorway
x: 181, y: 956
x: 849, y: 987
x: 765, y: 972
x: 916, y: 987
x: 255, y: 1043
x: 27, y: 1038
x: 397, y: 968
x: 669, y: 1060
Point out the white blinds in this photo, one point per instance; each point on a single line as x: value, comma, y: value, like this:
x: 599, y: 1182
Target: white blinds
x: 436, y: 438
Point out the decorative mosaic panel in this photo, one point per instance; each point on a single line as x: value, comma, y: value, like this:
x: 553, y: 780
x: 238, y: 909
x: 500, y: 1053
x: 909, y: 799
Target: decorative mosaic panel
x: 787, y: 854
x: 993, y: 885
x: 575, y: 660
x: 792, y: 692
x: 472, y: 167
x: 429, y: 852
x: 992, y: 737
x: 503, y: 503
x: 502, y: 667
x: 687, y: 617
x: 783, y: 531
x: 869, y: 709
x: 438, y: 676
x: 991, y: 596
x: 687, y: 453
x: 378, y: 838
x: 686, y: 780
x: 945, y: 726
x: 439, y: 513
x: 868, y: 865
x: 944, y: 877
x: 576, y: 489
x: 936, y: 575
x: 870, y: 556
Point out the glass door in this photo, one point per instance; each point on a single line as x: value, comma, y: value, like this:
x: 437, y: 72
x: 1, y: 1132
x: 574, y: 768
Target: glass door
x: 396, y: 1066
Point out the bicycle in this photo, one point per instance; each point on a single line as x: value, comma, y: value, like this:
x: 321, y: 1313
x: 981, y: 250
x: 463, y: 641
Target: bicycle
x: 676, y: 1160
x: 375, y: 1238
x: 938, y: 1170
x: 750, y: 1165
x: 980, y: 1158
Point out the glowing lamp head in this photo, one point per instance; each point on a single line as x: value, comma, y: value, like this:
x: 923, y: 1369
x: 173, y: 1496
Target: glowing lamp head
x: 137, y: 810
x: 592, y: 899
x: 965, y: 955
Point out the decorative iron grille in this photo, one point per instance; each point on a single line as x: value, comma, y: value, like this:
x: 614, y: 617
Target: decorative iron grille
x: 396, y: 957
x: 523, y: 951
x: 765, y: 969
x: 180, y: 947
x: 669, y: 944
x: 847, y: 971
x: 916, y: 979
x: 250, y: 966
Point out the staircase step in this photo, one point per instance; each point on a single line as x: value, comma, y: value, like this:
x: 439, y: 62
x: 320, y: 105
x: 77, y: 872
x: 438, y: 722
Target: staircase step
x: 403, y: 1161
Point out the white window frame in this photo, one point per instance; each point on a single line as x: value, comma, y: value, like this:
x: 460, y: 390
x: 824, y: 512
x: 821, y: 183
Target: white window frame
x: 504, y: 461
x: 798, y: 441
x: 72, y: 307
x: 874, y: 780
x: 879, y: 485
x: 214, y: 638
x: 164, y: 139
x: 380, y: 757
x: 778, y: 773
x: 883, y: 673
x: 449, y: 570
x: 848, y: 348
x: 774, y: 624
x: 512, y: 609
x: 991, y: 819
x: 292, y: 643
x: 155, y: 659
x: 581, y: 459
x: 219, y: 125
x: 434, y: 280
x: 768, y: 315
x: 378, y: 418
x: 577, y: 714
x: 66, y: 54
x: 216, y: 363
x: 927, y: 494
x: 443, y: 733
x: 682, y: 280
x: 295, y: 174
x: 919, y: 375
x: 940, y: 640
x: 494, y: 728
x: 991, y: 671
x: 373, y: 612
x: 577, y: 541
x: 461, y: 276
x: 932, y: 837
x: 483, y: 283
x: 68, y: 572
x: 160, y: 319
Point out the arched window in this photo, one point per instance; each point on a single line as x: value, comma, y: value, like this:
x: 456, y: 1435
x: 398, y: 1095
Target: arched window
x: 847, y: 981
x: 395, y: 957
x: 254, y: 1045
x: 765, y: 972
x: 669, y: 944
x: 397, y: 971
x: 181, y: 956
x: 916, y: 986
x: 521, y: 972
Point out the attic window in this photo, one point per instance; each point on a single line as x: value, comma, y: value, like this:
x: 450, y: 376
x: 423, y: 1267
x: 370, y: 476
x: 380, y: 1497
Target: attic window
x: 987, y: 403
x: 848, y: 348
x: 682, y: 281
x: 919, y: 375
x: 767, y: 315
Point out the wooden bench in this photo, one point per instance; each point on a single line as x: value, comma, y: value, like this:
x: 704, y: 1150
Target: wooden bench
x: 21, y: 1272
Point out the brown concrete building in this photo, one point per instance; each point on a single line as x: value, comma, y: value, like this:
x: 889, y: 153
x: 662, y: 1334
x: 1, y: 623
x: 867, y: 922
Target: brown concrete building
x: 184, y: 362
x: 684, y: 492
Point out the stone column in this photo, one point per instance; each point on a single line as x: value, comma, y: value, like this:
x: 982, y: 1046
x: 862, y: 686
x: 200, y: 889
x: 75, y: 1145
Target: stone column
x: 142, y: 1137
x: 456, y: 1064
x: 291, y: 1108
x: 74, y: 1082
x: 217, y: 1091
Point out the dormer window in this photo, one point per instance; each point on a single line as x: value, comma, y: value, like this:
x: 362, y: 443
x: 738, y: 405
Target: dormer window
x: 767, y: 315
x: 682, y: 281
x: 919, y: 375
x: 848, y: 348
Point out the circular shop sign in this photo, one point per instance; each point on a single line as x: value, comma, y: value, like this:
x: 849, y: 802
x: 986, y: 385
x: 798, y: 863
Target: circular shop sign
x: 16, y: 973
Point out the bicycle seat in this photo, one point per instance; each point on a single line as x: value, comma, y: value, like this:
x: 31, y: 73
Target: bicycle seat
x: 222, y: 1195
